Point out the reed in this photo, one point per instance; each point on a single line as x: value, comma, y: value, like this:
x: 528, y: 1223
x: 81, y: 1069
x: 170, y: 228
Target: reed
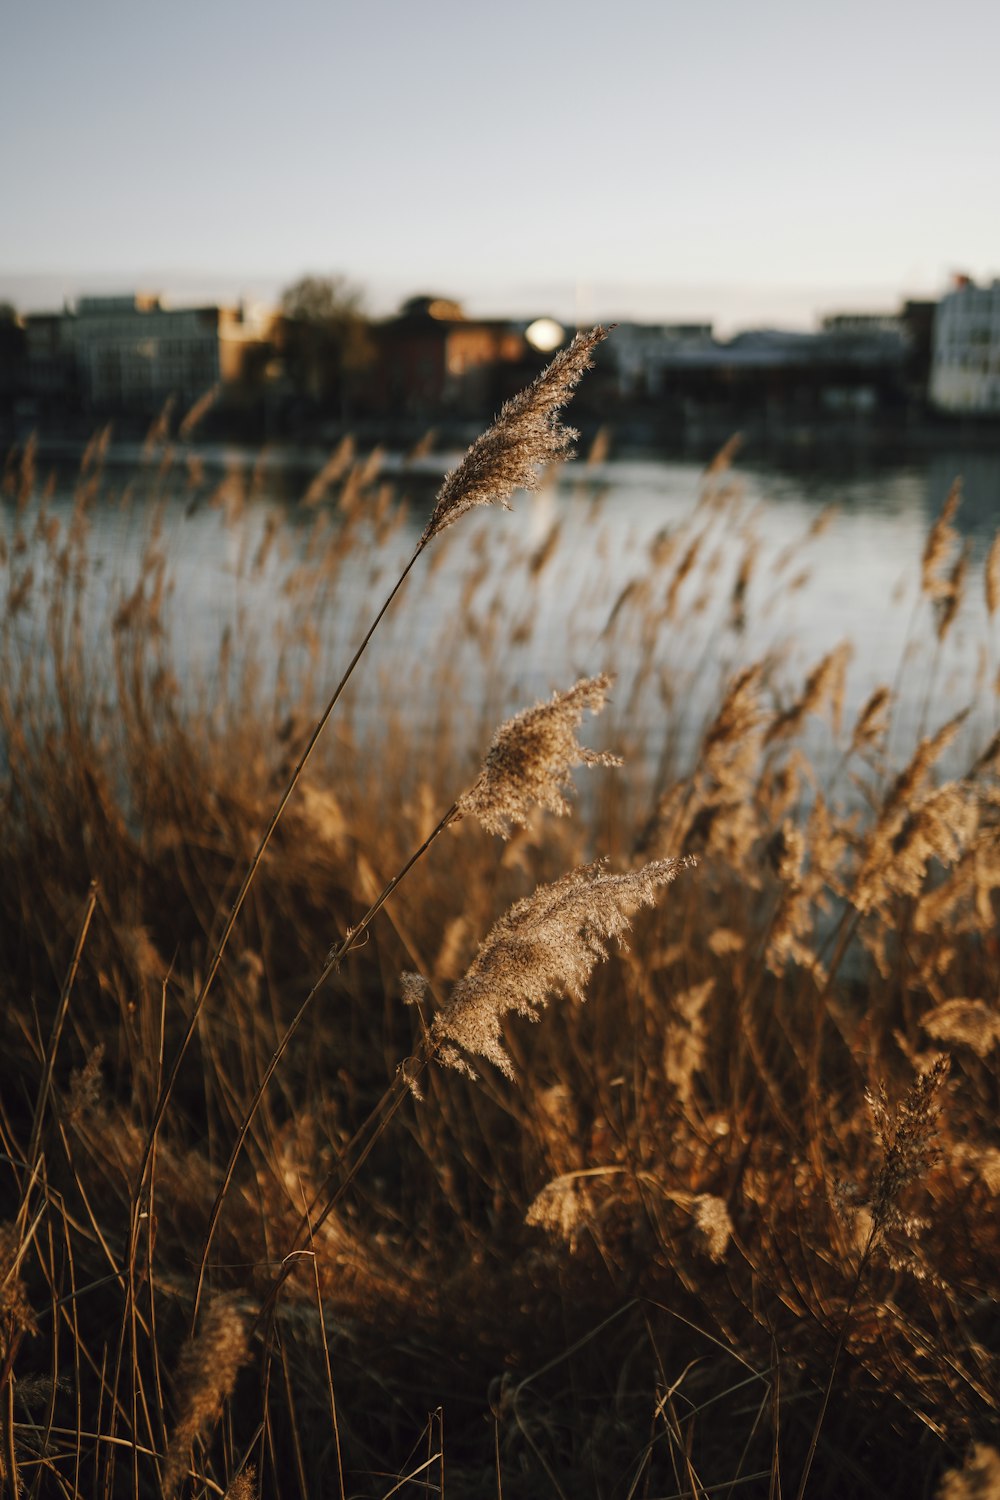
x: 256, y: 1224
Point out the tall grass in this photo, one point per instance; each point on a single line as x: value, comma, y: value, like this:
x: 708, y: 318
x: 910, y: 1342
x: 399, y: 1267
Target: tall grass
x: 727, y: 1227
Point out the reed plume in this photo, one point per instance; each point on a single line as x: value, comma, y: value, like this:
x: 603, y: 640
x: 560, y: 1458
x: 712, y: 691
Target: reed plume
x: 733, y: 733
x: 531, y: 757
x: 991, y: 577
x: 244, y: 1486
x: 977, y: 1479
x: 871, y: 720
x: 562, y: 1208
x: 907, y: 1138
x: 206, y: 1374
x: 825, y: 682
x: 964, y: 1022
x: 685, y: 1037
x: 545, y: 945
x: 712, y: 1224
x: 915, y: 827
x: 951, y: 592
x: 940, y: 826
x: 525, y: 437
x: 937, y: 549
x: 16, y: 1316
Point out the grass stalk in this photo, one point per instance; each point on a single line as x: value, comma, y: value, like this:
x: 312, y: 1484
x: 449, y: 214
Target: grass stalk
x: 350, y: 940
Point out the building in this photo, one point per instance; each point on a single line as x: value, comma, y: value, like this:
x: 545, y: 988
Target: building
x: 642, y: 353
x: 864, y: 325
x: 434, y: 360
x: 853, y: 367
x: 965, y: 367
x: 133, y: 353
x: 49, y: 364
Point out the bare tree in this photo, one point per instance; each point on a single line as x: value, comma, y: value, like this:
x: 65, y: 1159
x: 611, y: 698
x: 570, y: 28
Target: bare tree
x: 328, y: 343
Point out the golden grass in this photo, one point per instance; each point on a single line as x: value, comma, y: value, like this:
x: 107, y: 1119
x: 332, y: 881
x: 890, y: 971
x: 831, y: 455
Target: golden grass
x: 727, y: 1227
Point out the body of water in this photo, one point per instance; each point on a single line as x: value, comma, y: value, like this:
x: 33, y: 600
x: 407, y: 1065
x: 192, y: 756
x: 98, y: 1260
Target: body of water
x: 643, y: 567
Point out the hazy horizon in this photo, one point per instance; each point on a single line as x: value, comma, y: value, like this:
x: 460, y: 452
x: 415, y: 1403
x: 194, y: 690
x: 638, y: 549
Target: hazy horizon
x: 728, y: 308
x: 732, y: 164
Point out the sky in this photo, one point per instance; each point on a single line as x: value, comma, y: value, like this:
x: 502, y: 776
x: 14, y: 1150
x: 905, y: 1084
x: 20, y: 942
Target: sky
x: 732, y: 162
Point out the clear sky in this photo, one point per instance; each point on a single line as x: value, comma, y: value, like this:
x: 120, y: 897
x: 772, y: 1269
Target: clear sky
x: 766, y: 160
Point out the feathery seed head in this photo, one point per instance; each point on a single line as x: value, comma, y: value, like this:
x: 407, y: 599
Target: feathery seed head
x: 825, y: 683
x: 951, y: 591
x: 413, y: 988
x: 913, y: 775
x: 988, y: 1168
x: 964, y: 1022
x: 16, y: 1316
x: 206, y: 1374
x: 545, y: 945
x: 991, y: 576
x: 685, y: 1037
x: 244, y: 1486
x: 713, y: 1226
x: 871, y: 723
x: 913, y: 830
x: 525, y: 436
x: 562, y: 1208
x: 977, y: 1479
x: 531, y: 757
x: 940, y: 541
x: 907, y: 1137
x: 84, y: 1086
x: 736, y: 725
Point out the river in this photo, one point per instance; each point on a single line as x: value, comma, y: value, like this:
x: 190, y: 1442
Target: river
x: 569, y: 583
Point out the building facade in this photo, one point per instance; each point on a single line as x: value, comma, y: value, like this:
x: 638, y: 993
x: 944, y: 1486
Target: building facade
x: 433, y: 359
x: 132, y: 353
x: 50, y: 369
x: 643, y: 354
x: 965, y: 367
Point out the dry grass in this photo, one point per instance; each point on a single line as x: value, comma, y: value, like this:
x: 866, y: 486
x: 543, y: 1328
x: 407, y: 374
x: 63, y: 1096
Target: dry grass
x: 321, y: 1263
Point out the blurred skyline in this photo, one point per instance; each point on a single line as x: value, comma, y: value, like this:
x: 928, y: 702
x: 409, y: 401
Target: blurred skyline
x: 734, y: 164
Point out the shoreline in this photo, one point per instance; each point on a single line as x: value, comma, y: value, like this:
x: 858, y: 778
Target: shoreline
x: 421, y: 449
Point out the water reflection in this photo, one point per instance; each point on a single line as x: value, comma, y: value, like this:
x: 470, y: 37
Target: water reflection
x: 582, y: 577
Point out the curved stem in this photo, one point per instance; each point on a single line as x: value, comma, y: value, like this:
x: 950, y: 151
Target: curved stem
x: 336, y: 958
x: 390, y: 1102
x: 248, y: 879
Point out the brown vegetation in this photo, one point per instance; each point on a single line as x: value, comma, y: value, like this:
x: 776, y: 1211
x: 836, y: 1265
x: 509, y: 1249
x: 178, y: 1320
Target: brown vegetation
x: 728, y: 1227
